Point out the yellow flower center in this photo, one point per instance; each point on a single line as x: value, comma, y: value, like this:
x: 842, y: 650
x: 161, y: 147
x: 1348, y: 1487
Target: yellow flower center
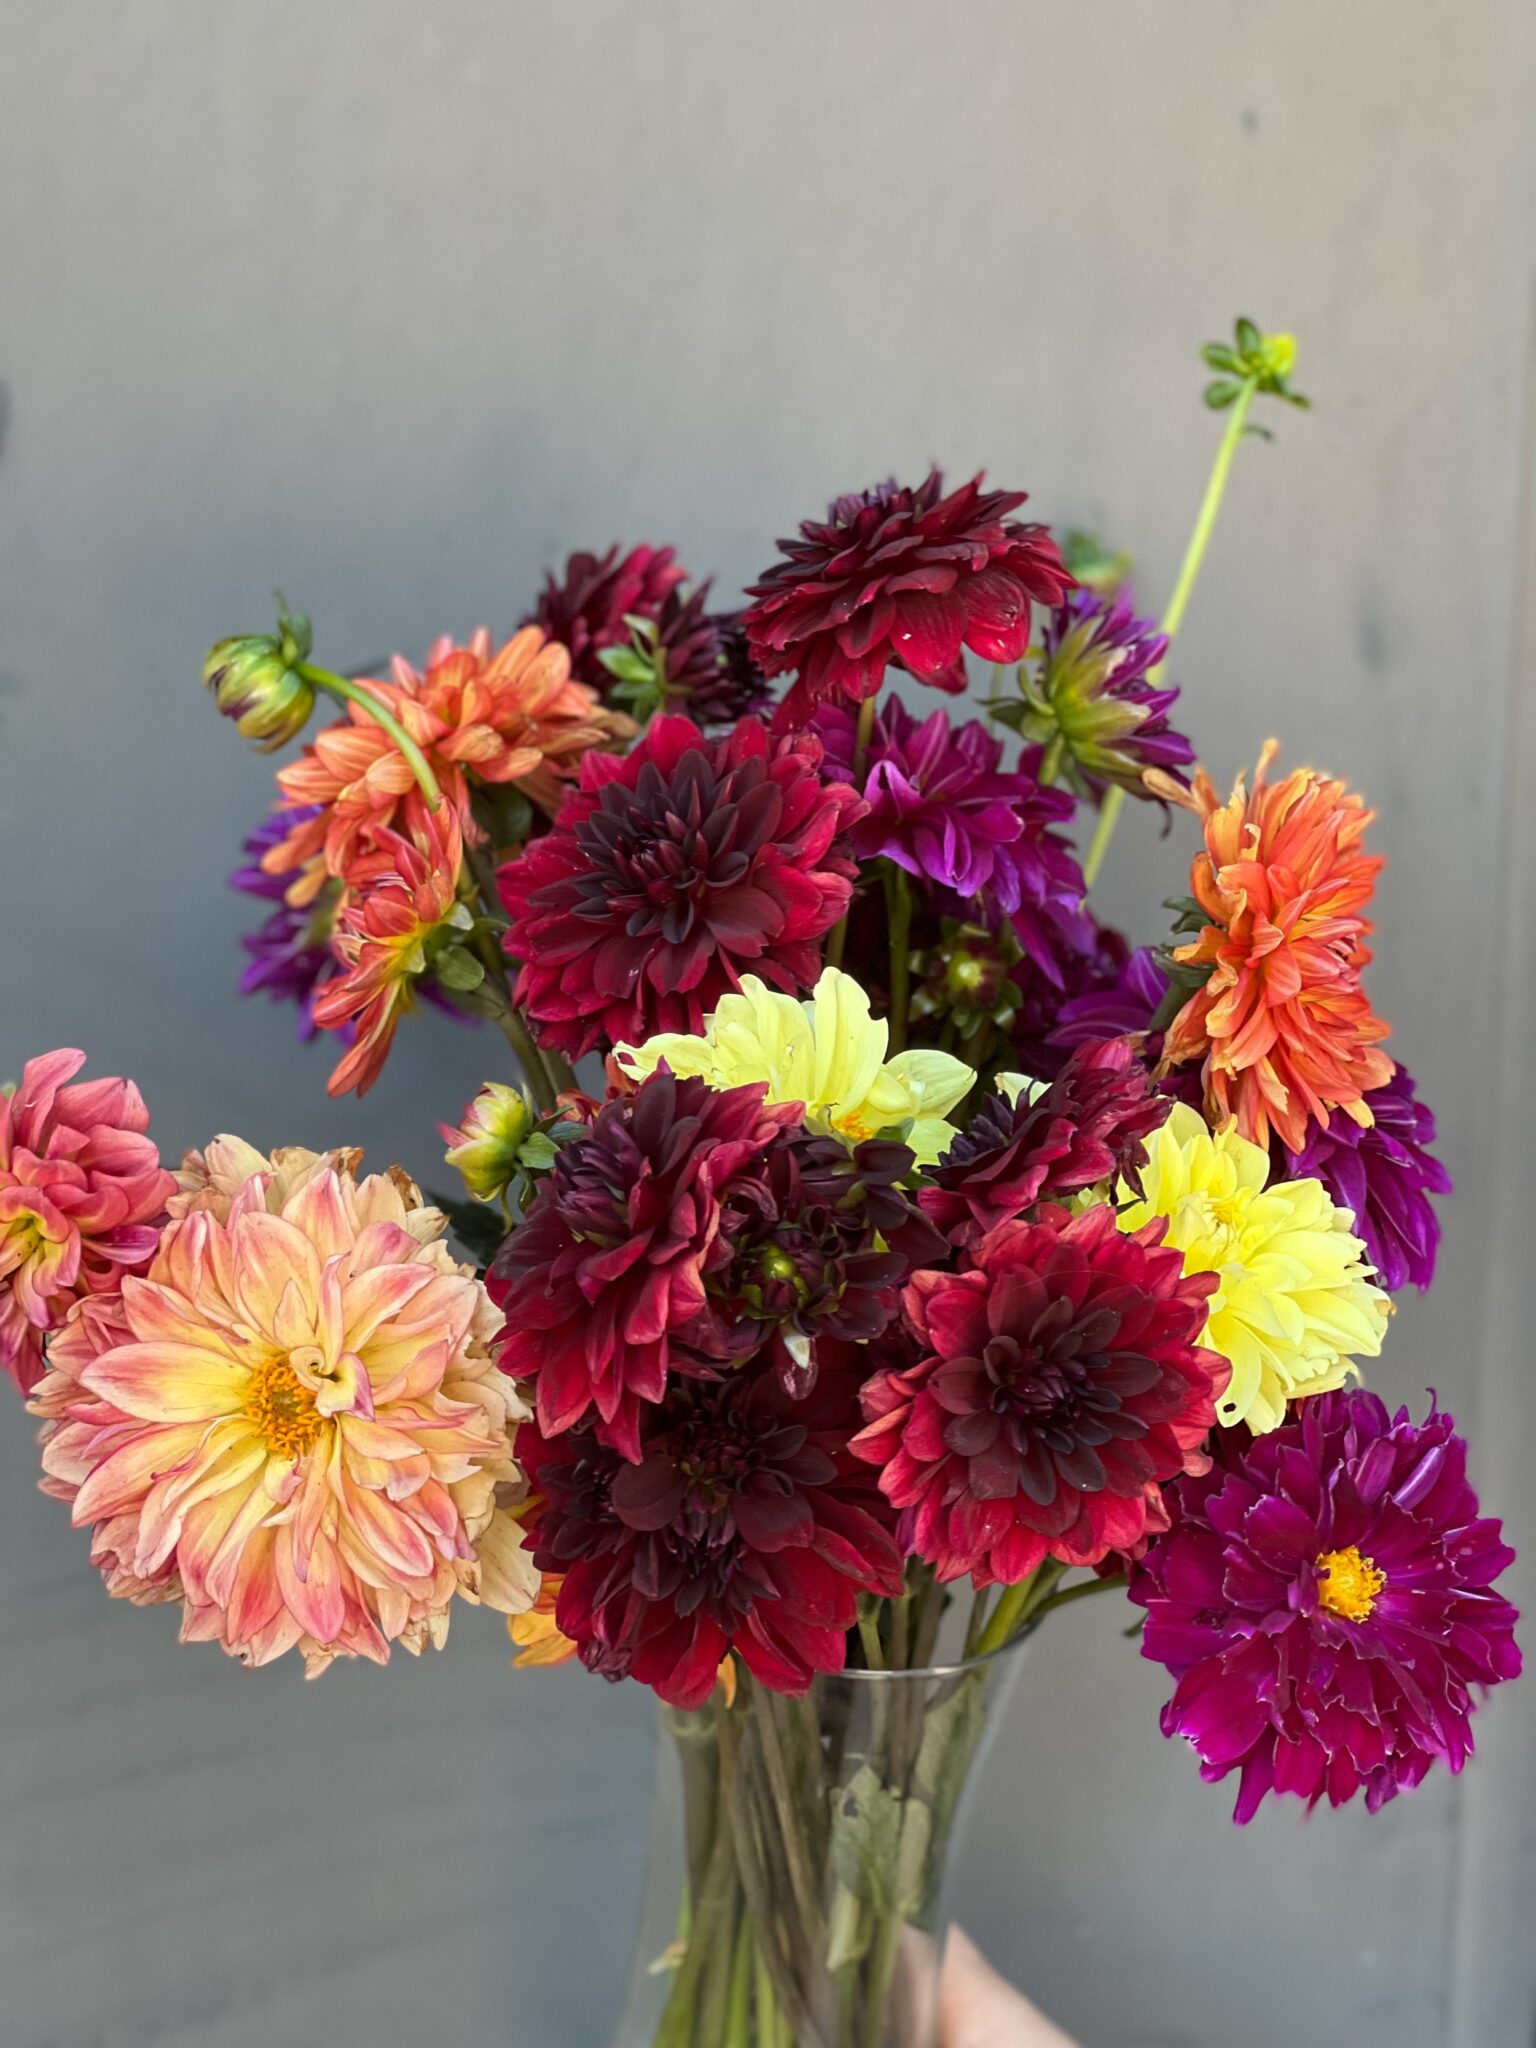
x: 282, y: 1410
x: 1349, y: 1583
x: 853, y: 1127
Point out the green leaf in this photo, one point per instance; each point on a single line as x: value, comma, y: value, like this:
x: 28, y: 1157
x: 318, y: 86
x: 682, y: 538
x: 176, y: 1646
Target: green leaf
x: 538, y: 1152
x: 478, y: 1227
x: 866, y: 1838
x: 1011, y: 711
x: 458, y: 970
x: 1249, y: 339
x: 1220, y: 395
x: 1217, y: 356
x: 1188, y: 916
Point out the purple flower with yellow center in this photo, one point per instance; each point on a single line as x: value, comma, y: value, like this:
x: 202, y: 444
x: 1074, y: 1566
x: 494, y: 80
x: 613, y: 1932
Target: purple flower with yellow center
x: 1325, y: 1599
x: 1093, y: 706
x: 1384, y: 1174
x: 943, y: 807
x: 291, y: 957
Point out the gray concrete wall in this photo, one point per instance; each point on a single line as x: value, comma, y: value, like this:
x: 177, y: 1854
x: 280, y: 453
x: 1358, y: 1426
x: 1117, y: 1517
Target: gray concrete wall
x: 389, y: 305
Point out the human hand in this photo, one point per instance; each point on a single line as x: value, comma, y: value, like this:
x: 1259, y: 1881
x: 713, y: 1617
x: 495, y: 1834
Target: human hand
x: 979, y: 2009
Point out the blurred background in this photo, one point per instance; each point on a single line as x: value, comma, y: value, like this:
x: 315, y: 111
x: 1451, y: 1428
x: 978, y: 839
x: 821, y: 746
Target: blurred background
x: 393, y: 306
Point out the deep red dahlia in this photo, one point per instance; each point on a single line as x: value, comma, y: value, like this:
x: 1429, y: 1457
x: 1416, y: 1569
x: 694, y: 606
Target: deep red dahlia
x: 604, y: 1278
x: 745, y: 1525
x: 1062, y: 1380
x: 1090, y: 1124
x: 1326, y: 1601
x: 904, y: 576
x: 670, y: 873
x: 585, y: 608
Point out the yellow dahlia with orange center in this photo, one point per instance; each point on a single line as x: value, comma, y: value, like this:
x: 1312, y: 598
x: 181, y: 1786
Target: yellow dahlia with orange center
x: 292, y: 1422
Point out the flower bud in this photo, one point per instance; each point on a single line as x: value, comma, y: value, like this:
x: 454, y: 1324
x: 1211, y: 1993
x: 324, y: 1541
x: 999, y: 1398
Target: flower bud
x: 485, y: 1149
x: 256, y: 680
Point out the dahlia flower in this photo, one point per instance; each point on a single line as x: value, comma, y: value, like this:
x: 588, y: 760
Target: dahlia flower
x: 258, y: 680
x: 485, y: 1148
x: 1325, y: 1600
x: 82, y: 1192
x: 687, y: 659
x: 536, y: 1632
x: 1061, y: 1381
x: 827, y: 1055
x: 588, y: 607
x: 602, y: 1286
x: 514, y: 716
x: 229, y: 1168
x: 1093, y: 706
x: 293, y: 1424
x: 901, y: 575
x: 744, y: 1525
x: 1090, y: 1124
x: 1124, y: 1005
x: 401, y: 908
x: 669, y: 873
x: 1384, y: 1174
x: 1284, y: 1029
x: 942, y: 806
x: 1295, y: 1303
x: 291, y: 957
x: 1090, y: 969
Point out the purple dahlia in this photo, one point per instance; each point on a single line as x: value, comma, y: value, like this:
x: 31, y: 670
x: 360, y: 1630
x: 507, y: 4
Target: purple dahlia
x: 1325, y: 1599
x: 897, y: 575
x: 1093, y: 705
x: 291, y: 958
x: 1384, y: 1174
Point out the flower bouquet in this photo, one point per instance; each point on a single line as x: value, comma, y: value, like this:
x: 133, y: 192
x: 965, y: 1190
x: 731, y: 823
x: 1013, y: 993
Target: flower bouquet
x: 870, y: 1253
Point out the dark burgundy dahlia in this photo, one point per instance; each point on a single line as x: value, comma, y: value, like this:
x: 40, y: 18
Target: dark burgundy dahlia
x: 602, y: 1286
x: 692, y: 660
x: 1384, y: 1174
x: 1062, y: 1382
x: 671, y: 872
x: 1325, y: 1599
x: 585, y: 608
x: 896, y: 575
x: 1090, y: 1124
x: 744, y: 1525
x: 817, y: 1242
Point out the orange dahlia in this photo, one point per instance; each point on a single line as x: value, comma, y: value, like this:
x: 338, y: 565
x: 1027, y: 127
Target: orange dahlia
x: 292, y: 1423
x: 1282, y: 1024
x: 513, y: 716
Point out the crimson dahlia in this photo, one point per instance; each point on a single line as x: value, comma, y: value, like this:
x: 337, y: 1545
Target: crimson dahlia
x: 671, y: 872
x: 586, y: 607
x: 743, y: 1525
x: 1325, y: 1599
x: 897, y: 575
x: 602, y: 1285
x: 1089, y: 1125
x: 1061, y: 1382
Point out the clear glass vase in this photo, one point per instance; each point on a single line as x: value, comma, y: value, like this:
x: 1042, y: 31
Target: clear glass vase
x: 800, y: 1852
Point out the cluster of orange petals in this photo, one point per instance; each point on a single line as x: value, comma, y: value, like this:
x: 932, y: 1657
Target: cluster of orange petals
x: 401, y: 896
x: 1284, y: 1029
x: 512, y: 716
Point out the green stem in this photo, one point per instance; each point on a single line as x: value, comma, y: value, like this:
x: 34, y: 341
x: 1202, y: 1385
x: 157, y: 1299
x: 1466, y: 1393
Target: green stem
x: 838, y: 941
x: 869, y: 1636
x: 531, y: 1057
x: 877, y: 1987
x: 1017, y: 1605
x: 357, y: 693
x: 1178, y: 604
x: 898, y: 912
x: 1082, y: 1591
x: 738, y: 2004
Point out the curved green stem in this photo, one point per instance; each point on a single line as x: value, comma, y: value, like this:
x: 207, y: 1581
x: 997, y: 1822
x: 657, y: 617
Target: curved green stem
x: 898, y: 911
x: 1178, y: 604
x: 357, y: 693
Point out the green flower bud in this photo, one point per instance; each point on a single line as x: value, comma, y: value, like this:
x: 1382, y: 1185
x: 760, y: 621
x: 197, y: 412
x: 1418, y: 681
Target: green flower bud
x: 485, y: 1149
x: 255, y: 679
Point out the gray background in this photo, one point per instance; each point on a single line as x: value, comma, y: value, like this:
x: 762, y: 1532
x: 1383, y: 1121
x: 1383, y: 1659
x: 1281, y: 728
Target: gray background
x: 392, y: 304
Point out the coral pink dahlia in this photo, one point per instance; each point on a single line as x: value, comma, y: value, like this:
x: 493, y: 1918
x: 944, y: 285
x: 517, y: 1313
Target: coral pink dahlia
x: 671, y: 873
x: 293, y: 1424
x: 82, y: 1191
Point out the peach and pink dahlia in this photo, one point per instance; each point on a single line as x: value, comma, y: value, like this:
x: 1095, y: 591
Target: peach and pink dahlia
x: 1281, y: 1023
x: 81, y: 1194
x: 292, y: 1422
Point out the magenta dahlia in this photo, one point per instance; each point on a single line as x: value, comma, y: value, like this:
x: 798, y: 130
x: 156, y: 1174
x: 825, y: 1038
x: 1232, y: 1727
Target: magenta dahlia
x: 1061, y: 1382
x: 671, y: 872
x: 743, y: 1525
x: 1325, y: 1599
x: 896, y: 575
x: 587, y: 606
x: 602, y: 1285
x: 1090, y: 1124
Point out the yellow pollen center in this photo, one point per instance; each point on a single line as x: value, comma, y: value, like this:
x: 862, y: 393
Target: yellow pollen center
x: 282, y: 1409
x: 1348, y: 1583
x: 853, y: 1127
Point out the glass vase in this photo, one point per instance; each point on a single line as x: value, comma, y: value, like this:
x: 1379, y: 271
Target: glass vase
x: 800, y: 1851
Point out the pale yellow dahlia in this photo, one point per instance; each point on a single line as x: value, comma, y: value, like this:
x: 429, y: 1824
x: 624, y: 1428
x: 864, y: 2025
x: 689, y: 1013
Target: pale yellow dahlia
x: 828, y: 1053
x: 292, y: 1423
x: 1296, y: 1305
